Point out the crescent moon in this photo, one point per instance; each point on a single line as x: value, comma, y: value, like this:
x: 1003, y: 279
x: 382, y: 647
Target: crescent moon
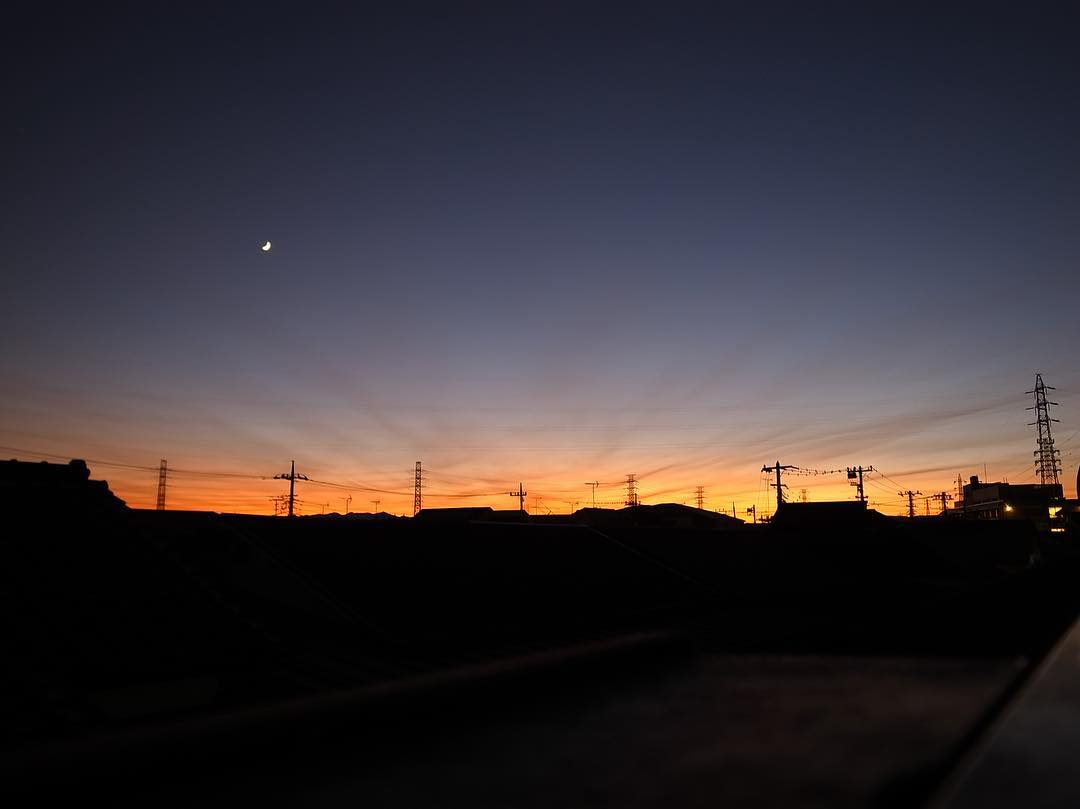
x: 266, y: 247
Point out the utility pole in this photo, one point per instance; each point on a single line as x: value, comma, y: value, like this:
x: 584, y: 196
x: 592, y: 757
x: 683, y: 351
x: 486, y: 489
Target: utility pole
x: 700, y: 497
x: 594, y: 484
x: 1047, y: 459
x: 944, y: 497
x: 926, y: 502
x: 631, y: 490
x: 417, y: 503
x: 779, y: 485
x: 910, y: 495
x: 163, y: 473
x: 376, y: 503
x: 520, y: 494
x: 858, y: 470
x: 752, y: 510
x: 292, y: 477
x: 348, y: 499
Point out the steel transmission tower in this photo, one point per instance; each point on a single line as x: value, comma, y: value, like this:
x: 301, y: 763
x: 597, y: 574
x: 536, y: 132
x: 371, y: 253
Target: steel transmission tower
x: 1047, y: 459
x: 700, y: 496
x: 631, y: 490
x: 292, y: 477
x: 417, y: 498
x: 163, y: 473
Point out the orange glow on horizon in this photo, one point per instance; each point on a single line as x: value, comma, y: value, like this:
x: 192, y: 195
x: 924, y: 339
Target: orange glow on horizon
x: 546, y: 494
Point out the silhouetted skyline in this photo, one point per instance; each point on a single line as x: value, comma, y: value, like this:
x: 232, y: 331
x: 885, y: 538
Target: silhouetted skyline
x: 552, y: 244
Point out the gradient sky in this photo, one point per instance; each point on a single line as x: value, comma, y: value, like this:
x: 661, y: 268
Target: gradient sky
x: 541, y: 243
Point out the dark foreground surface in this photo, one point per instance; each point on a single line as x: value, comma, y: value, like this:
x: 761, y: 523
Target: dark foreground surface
x: 649, y: 657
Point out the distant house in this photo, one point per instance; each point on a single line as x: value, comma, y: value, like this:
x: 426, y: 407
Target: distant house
x: 1036, y: 502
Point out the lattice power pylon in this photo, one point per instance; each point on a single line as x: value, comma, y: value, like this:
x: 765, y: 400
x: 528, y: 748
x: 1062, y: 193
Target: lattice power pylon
x: 163, y: 474
x: 417, y: 499
x: 1047, y: 459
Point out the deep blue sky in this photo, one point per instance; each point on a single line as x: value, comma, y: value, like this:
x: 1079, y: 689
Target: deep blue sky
x: 541, y: 241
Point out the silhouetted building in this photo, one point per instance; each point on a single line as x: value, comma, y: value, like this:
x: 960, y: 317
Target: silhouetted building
x: 35, y: 485
x: 472, y: 514
x: 1036, y: 502
x: 838, y: 513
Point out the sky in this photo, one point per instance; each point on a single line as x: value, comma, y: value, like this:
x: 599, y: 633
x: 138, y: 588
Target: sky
x: 538, y: 242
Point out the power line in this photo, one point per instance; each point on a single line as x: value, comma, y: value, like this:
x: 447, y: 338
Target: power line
x: 910, y: 501
x: 292, y: 477
x: 944, y: 497
x: 594, y: 484
x: 778, y: 468
x: 520, y: 494
x: 859, y: 470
